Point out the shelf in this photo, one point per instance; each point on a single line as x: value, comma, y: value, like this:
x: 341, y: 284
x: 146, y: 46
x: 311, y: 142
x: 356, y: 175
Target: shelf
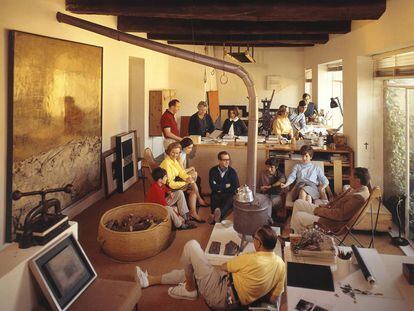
x: 344, y: 177
x: 325, y: 163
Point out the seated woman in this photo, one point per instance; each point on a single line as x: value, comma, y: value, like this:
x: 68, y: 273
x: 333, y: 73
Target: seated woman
x: 186, y: 148
x: 178, y: 179
x: 308, y: 177
x: 281, y: 124
x: 269, y: 182
x: 158, y: 193
x: 233, y: 126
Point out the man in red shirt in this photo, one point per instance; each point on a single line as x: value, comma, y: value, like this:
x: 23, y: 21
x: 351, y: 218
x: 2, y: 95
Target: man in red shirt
x: 160, y: 194
x: 169, y: 124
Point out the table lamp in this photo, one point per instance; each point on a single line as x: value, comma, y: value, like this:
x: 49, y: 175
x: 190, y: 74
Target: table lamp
x: 335, y: 103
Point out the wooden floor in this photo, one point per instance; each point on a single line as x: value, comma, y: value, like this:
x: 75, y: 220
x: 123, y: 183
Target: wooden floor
x: 156, y: 298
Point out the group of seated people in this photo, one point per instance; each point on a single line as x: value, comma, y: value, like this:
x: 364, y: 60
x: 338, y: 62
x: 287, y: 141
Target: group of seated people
x: 174, y: 183
x: 286, y: 122
x: 251, y: 278
x: 200, y: 123
x: 293, y: 120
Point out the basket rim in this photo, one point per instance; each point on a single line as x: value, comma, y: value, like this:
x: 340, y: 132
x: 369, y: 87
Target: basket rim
x: 102, y: 225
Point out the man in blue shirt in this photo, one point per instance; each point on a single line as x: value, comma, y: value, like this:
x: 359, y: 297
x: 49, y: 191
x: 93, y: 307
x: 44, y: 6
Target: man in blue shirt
x: 224, y: 182
x: 297, y: 117
x: 311, y: 109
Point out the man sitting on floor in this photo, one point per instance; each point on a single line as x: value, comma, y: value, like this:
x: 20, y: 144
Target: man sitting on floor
x: 250, y: 276
x: 223, y: 182
x: 269, y: 183
x: 160, y: 194
x: 337, y: 212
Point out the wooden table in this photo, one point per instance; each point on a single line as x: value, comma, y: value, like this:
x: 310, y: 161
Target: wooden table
x: 224, y: 234
x: 387, y: 269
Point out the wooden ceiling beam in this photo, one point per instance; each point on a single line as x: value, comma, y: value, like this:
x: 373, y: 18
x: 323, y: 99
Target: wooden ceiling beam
x: 306, y: 38
x: 245, y: 10
x: 180, y: 26
x: 243, y: 44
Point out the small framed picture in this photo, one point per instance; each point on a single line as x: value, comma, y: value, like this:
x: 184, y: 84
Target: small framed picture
x: 109, y: 171
x: 63, y: 272
x: 126, y: 159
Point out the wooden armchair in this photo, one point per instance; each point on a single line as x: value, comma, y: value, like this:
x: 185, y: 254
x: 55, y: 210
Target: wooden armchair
x: 149, y: 162
x: 347, y: 227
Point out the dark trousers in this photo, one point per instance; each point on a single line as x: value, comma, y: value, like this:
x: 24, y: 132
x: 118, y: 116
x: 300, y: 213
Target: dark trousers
x: 223, y: 201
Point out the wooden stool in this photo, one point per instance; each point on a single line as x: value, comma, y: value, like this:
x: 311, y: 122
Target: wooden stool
x: 112, y: 295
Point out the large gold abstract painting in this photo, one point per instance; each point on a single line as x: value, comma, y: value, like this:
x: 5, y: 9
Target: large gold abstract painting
x: 55, y: 123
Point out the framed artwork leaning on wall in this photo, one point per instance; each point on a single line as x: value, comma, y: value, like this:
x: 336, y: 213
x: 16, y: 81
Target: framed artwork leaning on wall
x: 63, y: 272
x: 109, y: 171
x: 126, y: 160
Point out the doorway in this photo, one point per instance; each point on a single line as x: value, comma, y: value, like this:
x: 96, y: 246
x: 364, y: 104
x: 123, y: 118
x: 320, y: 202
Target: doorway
x: 136, y: 113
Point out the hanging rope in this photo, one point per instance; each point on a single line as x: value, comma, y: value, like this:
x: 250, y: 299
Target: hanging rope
x: 224, y: 79
x: 205, y: 67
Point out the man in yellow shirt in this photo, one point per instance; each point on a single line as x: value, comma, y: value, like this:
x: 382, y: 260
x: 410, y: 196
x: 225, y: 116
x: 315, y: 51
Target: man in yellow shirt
x: 255, y: 275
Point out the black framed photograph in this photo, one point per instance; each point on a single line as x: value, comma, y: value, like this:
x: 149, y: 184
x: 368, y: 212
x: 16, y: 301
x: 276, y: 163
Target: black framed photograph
x: 63, y: 272
x: 109, y: 171
x: 126, y: 160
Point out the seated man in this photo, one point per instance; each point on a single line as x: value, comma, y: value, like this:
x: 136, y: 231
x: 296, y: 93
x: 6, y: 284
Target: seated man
x: 160, y: 194
x: 250, y: 276
x: 337, y: 212
x: 270, y: 181
x: 223, y: 182
x: 201, y: 122
x: 297, y: 118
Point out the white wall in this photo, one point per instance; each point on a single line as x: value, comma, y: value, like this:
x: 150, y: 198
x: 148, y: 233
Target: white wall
x: 286, y: 63
x: 188, y: 78
x: 38, y: 17
x: 392, y: 31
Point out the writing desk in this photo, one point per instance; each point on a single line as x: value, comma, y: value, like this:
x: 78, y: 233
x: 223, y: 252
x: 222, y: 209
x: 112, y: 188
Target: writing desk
x: 387, y: 269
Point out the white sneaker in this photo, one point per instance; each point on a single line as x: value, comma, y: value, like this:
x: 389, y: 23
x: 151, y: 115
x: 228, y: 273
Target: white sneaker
x: 180, y: 292
x: 141, y: 277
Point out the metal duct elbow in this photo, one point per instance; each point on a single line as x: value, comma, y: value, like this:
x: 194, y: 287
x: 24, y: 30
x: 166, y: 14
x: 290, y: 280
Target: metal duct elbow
x: 192, y: 57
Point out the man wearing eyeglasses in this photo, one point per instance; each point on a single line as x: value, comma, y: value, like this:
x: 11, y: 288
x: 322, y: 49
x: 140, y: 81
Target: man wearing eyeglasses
x: 224, y: 182
x: 251, y: 279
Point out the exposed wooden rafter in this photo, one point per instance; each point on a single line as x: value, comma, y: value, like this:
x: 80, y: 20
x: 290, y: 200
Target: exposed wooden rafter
x: 292, y: 39
x: 242, y: 44
x: 281, y: 23
x: 180, y: 26
x: 246, y: 10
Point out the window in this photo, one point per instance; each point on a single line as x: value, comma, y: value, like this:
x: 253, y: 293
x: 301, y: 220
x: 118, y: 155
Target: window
x: 399, y: 149
x: 308, y: 81
x: 330, y: 86
x: 394, y: 64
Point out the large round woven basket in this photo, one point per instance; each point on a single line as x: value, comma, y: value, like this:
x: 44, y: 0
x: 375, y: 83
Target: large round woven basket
x: 136, y: 245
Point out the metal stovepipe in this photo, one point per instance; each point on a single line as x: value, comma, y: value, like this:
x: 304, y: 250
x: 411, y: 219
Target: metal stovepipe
x: 195, y: 58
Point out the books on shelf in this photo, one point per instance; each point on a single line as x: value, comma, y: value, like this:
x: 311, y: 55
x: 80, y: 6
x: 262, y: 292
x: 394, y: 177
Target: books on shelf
x: 281, y: 156
x: 339, y: 157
